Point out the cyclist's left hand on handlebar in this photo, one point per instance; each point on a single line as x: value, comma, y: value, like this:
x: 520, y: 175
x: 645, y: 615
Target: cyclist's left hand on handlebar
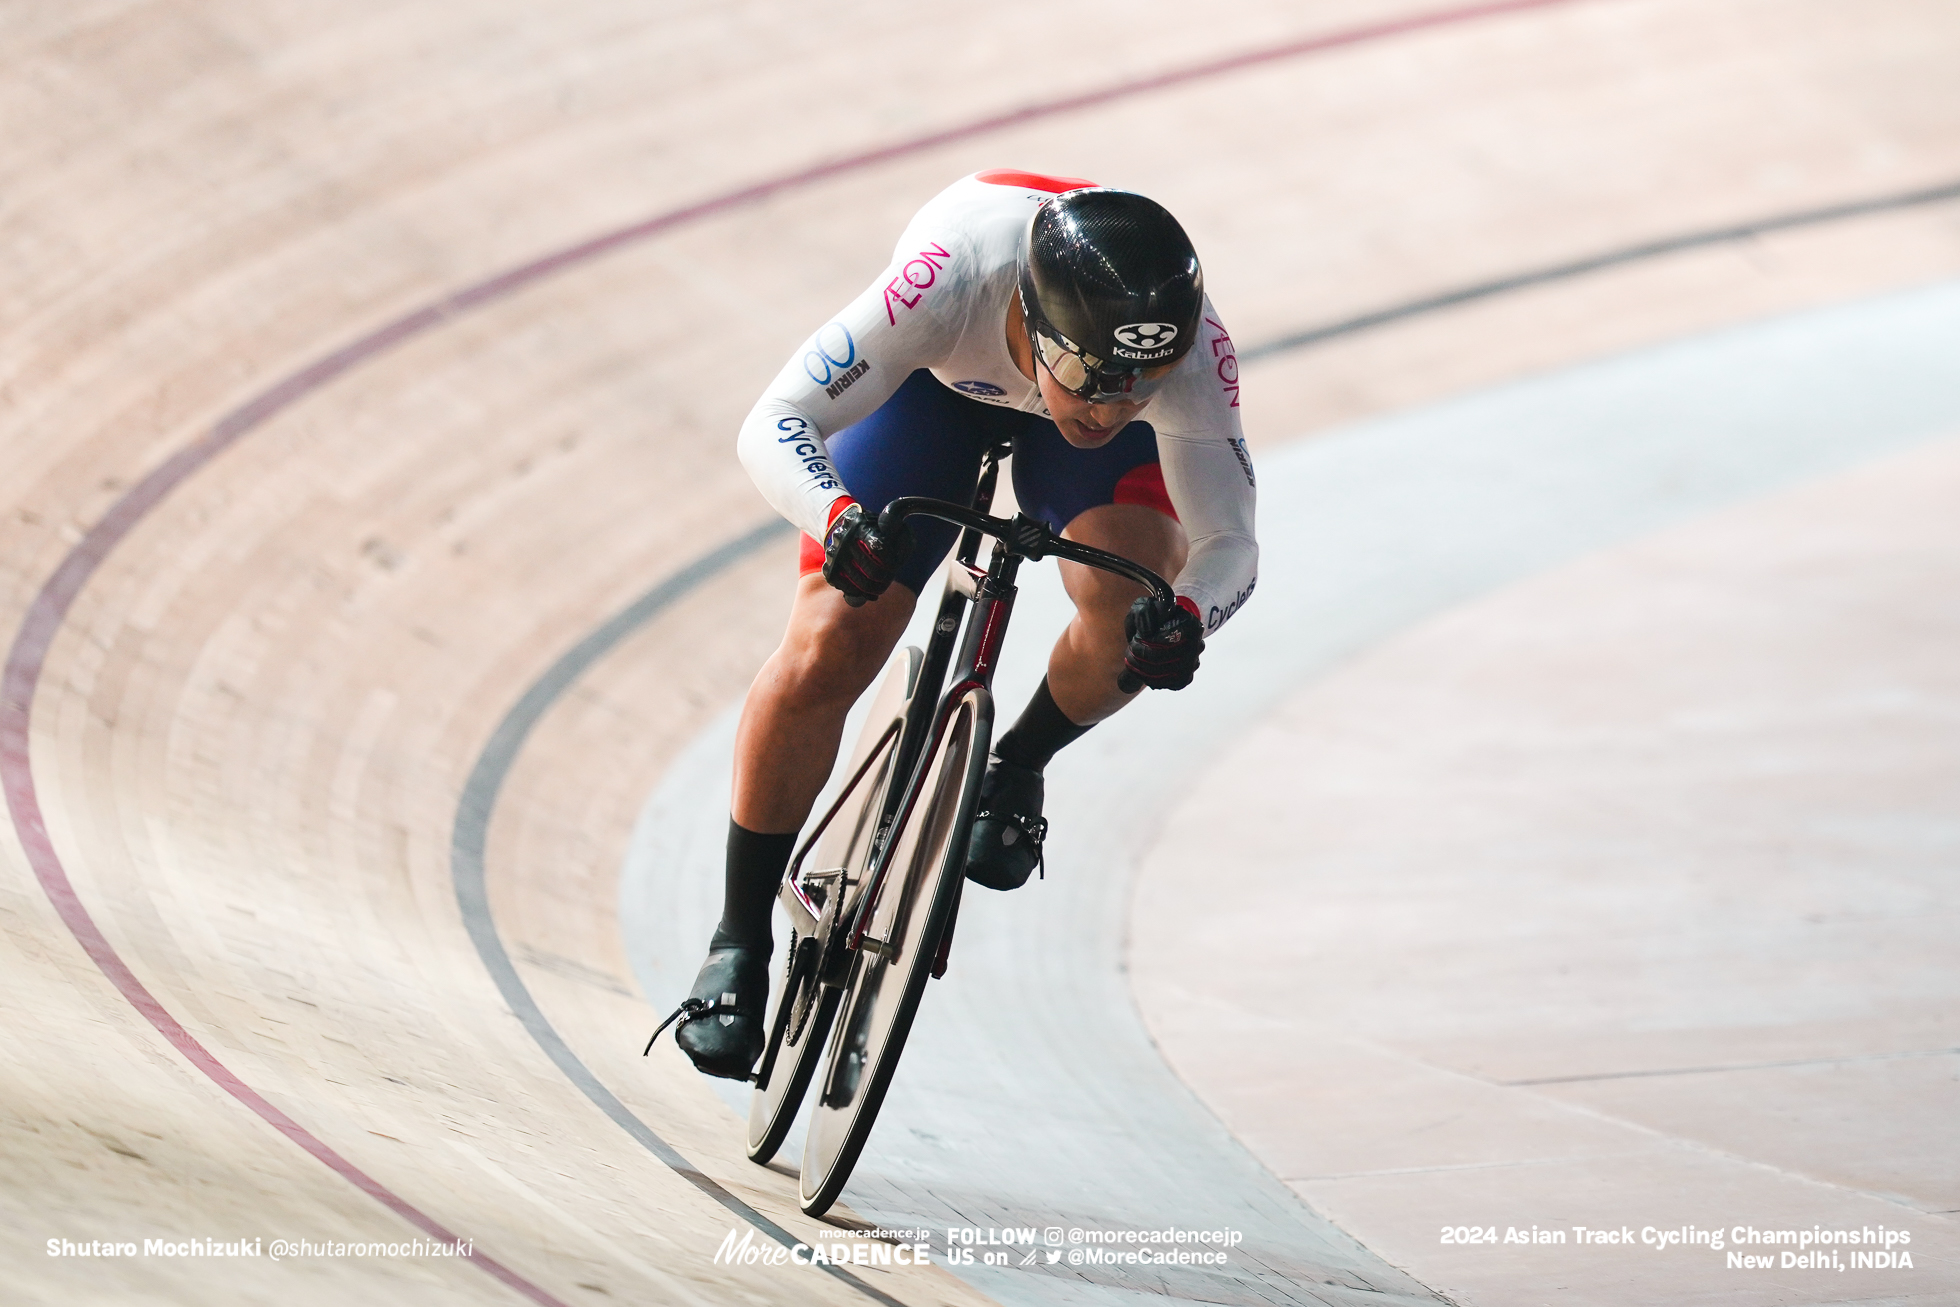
x: 859, y: 558
x: 1165, y: 641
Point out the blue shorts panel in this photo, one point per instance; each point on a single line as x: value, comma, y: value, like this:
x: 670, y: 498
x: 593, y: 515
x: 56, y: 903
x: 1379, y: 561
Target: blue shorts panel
x: 928, y: 440
x: 1056, y: 482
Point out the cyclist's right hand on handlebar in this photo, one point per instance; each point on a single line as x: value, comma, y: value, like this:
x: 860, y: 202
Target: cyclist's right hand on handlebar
x: 860, y: 559
x: 1165, y: 641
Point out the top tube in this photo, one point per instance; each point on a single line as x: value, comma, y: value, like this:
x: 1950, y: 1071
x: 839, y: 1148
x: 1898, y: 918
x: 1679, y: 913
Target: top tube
x: 1025, y: 536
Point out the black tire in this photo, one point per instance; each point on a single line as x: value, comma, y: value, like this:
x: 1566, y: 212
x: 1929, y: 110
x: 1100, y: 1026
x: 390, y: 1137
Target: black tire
x: 801, y: 1010
x: 912, y: 913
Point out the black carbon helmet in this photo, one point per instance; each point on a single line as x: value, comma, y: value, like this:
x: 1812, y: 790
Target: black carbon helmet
x: 1110, y: 286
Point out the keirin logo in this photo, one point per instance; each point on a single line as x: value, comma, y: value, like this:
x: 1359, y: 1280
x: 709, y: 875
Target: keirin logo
x: 1146, y: 337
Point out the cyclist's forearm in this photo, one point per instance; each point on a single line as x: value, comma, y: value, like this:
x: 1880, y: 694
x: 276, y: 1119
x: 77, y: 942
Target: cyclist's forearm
x: 1220, y: 576
x: 789, y: 462
x: 1211, y: 483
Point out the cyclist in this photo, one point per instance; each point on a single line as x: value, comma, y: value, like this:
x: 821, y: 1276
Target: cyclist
x: 1044, y: 311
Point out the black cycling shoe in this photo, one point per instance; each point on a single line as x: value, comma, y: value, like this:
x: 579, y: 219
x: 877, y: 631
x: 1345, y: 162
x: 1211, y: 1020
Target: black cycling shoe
x: 1008, y: 828
x: 724, y: 1034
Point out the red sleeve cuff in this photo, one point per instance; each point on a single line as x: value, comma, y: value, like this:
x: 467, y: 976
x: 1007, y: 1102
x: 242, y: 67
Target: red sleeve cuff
x: 837, y: 507
x: 1190, y: 608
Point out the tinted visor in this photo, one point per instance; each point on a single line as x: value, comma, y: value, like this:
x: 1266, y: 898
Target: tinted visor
x: 1085, y: 376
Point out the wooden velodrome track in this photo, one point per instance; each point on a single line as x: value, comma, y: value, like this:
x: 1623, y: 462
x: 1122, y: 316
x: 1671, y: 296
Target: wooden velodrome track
x: 328, y: 430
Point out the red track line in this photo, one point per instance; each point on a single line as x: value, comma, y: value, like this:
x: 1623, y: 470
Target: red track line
x: 434, y: 314
x: 16, y: 695
x: 50, y: 607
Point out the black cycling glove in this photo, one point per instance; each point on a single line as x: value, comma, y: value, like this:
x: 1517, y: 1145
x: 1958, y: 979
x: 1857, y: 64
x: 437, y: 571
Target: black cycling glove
x: 1165, y: 641
x: 861, y: 560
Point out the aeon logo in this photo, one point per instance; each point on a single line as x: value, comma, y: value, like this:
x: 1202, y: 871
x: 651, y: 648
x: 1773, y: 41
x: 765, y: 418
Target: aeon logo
x: 1147, y: 339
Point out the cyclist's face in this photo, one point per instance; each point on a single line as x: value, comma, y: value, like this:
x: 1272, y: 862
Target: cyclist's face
x: 1082, y: 424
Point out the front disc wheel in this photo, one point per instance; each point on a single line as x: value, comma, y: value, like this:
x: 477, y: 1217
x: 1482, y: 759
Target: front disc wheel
x: 888, y: 978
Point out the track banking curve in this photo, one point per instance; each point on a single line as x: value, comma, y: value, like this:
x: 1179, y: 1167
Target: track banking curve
x: 1375, y: 530
x: 55, y: 597
x: 475, y: 809
x: 477, y: 805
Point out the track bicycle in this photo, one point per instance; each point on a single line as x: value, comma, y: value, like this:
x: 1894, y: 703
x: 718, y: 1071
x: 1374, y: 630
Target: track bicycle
x: 873, y: 891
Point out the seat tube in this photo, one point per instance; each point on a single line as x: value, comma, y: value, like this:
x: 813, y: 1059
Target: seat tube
x: 987, y: 631
x: 952, y: 607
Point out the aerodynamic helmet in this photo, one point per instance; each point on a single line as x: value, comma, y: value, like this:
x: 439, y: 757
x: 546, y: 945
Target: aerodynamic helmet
x: 1110, y: 287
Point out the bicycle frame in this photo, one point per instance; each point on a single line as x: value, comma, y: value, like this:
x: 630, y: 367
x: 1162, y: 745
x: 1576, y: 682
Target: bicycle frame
x: 804, y: 914
x: 891, y: 834
x: 991, y: 591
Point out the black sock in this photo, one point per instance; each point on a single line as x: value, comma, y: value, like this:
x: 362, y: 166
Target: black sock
x: 755, y: 870
x: 1040, y: 734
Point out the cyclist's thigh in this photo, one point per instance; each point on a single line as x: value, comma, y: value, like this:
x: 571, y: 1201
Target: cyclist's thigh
x: 843, y: 647
x: 1056, y: 482
x: 924, y: 440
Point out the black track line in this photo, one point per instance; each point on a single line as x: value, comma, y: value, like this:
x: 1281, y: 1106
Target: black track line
x: 1597, y: 262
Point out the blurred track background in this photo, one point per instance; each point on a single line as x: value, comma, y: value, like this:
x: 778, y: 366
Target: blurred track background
x: 356, y: 366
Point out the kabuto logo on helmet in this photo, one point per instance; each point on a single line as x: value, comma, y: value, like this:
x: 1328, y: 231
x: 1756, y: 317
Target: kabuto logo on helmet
x: 1144, y: 340
x: 1109, y: 279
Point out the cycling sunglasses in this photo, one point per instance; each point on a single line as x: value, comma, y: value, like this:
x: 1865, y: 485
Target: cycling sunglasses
x: 1085, y: 376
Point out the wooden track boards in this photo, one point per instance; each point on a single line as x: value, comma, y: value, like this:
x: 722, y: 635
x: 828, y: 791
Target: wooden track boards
x: 252, y: 730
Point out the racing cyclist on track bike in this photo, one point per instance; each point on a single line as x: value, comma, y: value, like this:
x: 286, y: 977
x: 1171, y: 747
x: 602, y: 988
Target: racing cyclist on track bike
x: 1046, y: 312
